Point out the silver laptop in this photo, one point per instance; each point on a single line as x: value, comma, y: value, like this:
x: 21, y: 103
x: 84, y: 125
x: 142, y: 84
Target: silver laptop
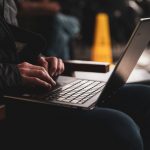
x: 79, y: 93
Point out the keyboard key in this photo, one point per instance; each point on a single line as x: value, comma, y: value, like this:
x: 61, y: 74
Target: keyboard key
x: 75, y: 101
x: 78, y: 91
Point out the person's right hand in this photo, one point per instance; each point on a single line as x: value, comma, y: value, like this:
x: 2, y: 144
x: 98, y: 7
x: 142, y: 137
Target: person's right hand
x: 35, y: 76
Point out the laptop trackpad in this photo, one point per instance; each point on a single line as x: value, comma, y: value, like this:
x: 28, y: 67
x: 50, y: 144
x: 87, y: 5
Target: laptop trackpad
x: 63, y: 80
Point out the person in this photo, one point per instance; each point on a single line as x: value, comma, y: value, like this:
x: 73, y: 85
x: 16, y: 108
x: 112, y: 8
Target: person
x: 46, y: 18
x: 105, y: 128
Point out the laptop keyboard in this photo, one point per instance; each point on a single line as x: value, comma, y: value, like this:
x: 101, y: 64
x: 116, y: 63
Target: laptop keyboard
x: 77, y: 92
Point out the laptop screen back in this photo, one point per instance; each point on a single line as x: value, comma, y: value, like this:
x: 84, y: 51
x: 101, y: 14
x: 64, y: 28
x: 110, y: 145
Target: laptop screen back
x: 133, y: 50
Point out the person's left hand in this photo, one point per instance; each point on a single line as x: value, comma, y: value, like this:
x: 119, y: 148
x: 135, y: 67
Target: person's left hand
x: 53, y: 65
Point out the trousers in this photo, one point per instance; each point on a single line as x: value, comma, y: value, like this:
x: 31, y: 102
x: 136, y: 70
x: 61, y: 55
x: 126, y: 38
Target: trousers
x: 123, y: 124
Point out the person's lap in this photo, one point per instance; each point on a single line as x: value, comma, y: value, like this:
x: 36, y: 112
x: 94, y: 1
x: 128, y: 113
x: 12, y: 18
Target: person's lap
x: 101, y: 127
x: 134, y: 100
x: 108, y: 124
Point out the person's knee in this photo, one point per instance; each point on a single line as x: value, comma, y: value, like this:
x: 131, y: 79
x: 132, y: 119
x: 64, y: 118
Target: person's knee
x: 118, y: 130
x: 126, y: 132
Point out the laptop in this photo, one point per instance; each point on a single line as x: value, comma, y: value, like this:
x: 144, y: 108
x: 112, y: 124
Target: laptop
x: 85, y: 94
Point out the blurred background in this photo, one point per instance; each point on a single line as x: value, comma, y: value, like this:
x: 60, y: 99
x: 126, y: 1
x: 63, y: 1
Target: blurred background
x: 78, y: 22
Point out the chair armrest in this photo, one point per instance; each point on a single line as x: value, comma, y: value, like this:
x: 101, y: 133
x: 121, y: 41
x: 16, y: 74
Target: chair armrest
x: 88, y: 66
x: 2, y: 112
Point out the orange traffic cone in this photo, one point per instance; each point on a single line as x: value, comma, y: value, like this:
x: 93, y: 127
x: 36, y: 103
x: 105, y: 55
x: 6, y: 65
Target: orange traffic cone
x: 101, y: 49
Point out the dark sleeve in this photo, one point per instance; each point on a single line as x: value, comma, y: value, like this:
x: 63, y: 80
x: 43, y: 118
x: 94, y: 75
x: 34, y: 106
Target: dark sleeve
x: 34, y: 43
x: 10, y: 79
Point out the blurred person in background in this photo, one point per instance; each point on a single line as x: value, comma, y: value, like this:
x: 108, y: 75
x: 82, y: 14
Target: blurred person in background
x: 46, y: 18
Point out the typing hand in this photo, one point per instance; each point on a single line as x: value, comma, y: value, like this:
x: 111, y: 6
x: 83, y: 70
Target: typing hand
x: 35, y: 76
x: 54, y: 66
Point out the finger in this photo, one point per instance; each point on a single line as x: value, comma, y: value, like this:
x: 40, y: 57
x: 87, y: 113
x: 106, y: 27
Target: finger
x: 59, y: 67
x: 36, y: 71
x: 33, y: 70
x: 42, y: 62
x: 43, y: 65
x: 30, y: 66
x: 33, y: 81
x: 62, y: 67
x: 53, y: 62
x: 42, y: 75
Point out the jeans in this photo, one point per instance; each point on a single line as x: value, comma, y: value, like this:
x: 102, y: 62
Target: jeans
x: 134, y: 100
x: 122, y: 125
x: 64, y: 28
x: 100, y: 128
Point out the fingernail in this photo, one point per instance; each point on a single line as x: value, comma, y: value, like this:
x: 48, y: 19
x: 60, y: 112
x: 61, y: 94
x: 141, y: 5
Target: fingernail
x: 56, y: 74
x: 52, y: 74
x: 48, y: 86
x: 54, y: 82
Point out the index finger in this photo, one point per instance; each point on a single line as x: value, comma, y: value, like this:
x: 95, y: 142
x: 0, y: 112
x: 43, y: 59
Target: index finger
x: 53, y: 63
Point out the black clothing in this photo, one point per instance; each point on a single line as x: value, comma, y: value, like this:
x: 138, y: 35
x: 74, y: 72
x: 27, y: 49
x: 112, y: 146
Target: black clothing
x: 9, y: 11
x: 9, y: 74
x: 10, y: 78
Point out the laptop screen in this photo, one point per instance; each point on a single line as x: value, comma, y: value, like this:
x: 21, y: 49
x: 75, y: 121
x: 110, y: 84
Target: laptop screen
x: 127, y: 61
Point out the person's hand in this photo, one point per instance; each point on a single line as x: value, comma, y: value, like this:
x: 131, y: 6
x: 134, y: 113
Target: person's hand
x: 35, y: 76
x: 54, y: 66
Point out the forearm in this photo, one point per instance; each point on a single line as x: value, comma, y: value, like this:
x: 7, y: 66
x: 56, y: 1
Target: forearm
x: 34, y: 43
x: 36, y: 8
x: 10, y: 79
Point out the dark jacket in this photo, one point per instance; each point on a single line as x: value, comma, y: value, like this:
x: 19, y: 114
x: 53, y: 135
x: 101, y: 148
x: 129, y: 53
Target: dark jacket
x: 10, y: 79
